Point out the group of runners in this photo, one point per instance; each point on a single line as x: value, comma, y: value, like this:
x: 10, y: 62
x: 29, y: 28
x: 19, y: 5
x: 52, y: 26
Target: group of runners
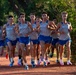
x: 36, y: 37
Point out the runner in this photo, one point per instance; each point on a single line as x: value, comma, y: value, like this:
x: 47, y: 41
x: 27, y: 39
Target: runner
x: 64, y: 28
x: 18, y: 46
x: 1, y: 41
x: 11, y: 38
x: 55, y: 44
x: 24, y: 31
x: 44, y: 36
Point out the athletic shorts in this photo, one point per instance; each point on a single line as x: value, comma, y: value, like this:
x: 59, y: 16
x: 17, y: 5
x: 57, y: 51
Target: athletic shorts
x: 24, y: 40
x: 1, y: 42
x: 46, y: 39
x: 55, y: 41
x: 35, y: 41
x: 12, y: 42
x: 63, y: 42
x: 17, y: 39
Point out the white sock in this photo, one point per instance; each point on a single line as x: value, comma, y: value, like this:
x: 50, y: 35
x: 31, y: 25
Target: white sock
x: 68, y: 60
x: 60, y: 59
x: 11, y: 59
x: 44, y: 60
x: 25, y: 64
x: 32, y: 59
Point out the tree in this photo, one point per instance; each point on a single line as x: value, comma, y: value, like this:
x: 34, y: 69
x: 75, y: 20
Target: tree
x: 52, y: 7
